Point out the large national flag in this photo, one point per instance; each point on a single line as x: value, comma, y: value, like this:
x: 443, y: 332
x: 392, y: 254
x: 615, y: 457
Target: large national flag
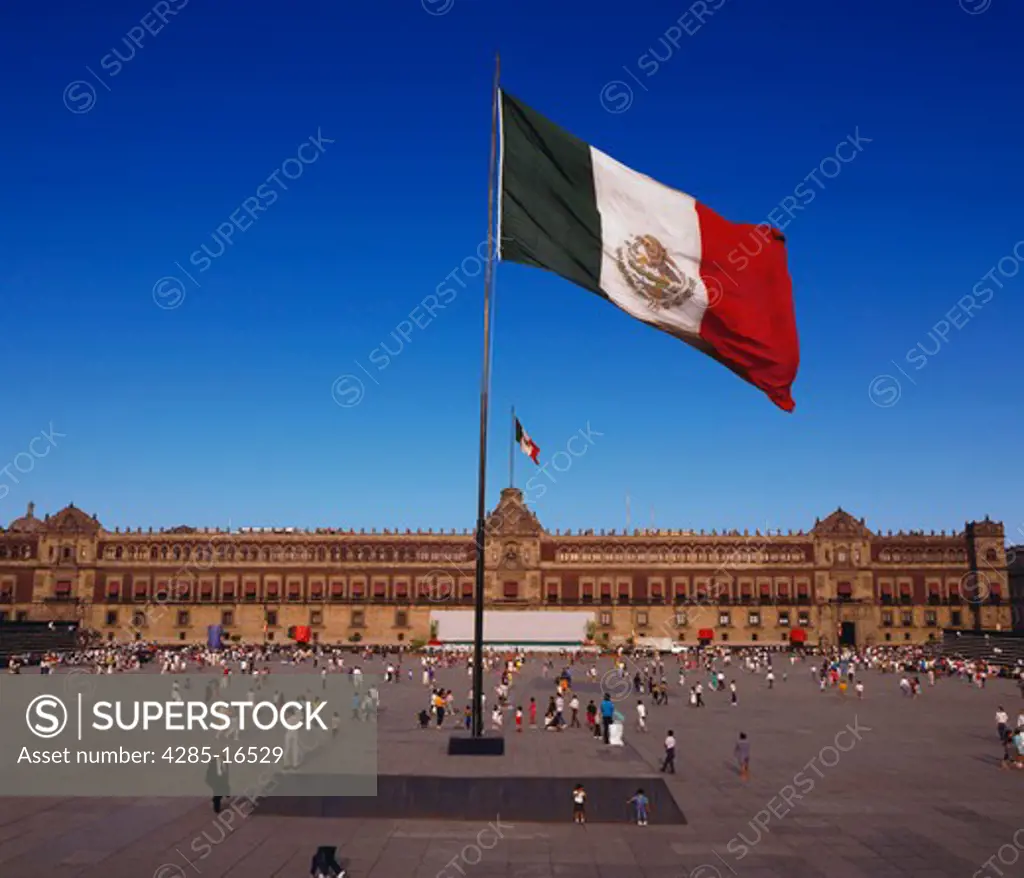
x: 530, y: 448
x: 655, y: 252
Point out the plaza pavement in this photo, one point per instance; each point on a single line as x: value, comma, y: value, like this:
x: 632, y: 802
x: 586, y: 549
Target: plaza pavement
x: 915, y: 790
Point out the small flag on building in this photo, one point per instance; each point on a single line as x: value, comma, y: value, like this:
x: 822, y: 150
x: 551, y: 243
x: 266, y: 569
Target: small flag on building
x: 656, y: 253
x: 530, y: 448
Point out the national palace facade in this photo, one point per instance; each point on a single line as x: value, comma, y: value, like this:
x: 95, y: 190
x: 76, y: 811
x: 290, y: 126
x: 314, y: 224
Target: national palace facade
x: 838, y: 580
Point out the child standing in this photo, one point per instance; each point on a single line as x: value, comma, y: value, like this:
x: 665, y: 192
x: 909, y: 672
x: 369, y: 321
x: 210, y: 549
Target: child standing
x: 579, y: 804
x: 640, y: 804
x: 519, y: 719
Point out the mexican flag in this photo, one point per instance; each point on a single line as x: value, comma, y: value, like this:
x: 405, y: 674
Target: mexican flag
x: 655, y: 252
x: 530, y: 448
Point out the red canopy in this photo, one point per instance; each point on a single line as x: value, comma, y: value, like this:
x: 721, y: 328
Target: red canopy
x: 798, y: 635
x: 706, y: 634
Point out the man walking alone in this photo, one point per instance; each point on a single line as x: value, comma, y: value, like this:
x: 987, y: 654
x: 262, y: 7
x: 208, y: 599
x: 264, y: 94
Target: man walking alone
x: 669, y: 764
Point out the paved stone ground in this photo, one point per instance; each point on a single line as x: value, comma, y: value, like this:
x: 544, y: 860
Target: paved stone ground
x: 917, y: 791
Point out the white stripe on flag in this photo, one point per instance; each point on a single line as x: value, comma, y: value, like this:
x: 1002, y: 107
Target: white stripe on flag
x: 633, y: 206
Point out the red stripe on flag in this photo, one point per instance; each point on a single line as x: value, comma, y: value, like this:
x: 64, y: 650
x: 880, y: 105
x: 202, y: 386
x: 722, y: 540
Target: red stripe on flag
x: 750, y: 323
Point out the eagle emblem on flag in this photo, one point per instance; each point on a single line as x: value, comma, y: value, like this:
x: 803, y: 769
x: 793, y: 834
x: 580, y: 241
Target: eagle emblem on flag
x: 652, y: 274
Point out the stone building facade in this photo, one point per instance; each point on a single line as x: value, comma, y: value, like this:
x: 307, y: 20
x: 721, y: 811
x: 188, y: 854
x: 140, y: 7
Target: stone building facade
x: 837, y: 581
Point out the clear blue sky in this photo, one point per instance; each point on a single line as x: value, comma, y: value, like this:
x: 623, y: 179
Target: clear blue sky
x: 220, y: 411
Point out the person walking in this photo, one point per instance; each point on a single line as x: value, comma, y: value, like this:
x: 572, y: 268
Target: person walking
x: 641, y: 716
x: 1002, y: 719
x: 669, y: 763
x: 742, y: 754
x: 574, y: 706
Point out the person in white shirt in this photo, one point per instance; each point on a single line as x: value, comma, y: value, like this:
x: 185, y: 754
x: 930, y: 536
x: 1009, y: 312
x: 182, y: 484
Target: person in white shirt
x: 1001, y: 721
x: 669, y: 764
x: 641, y: 717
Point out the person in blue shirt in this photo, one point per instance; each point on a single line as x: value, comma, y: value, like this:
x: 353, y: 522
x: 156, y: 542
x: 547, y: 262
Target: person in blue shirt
x: 640, y: 804
x: 607, y: 714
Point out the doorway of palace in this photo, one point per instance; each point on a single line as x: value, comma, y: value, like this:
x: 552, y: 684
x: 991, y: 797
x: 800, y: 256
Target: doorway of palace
x: 848, y: 634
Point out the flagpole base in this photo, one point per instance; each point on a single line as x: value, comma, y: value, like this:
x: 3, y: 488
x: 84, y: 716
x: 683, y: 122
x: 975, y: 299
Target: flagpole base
x: 467, y: 745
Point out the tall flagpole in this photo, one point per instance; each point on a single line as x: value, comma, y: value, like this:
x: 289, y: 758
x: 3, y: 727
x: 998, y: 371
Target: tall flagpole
x: 485, y: 385
x: 512, y: 452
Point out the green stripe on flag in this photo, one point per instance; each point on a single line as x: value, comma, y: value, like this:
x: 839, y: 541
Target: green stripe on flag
x: 549, y: 216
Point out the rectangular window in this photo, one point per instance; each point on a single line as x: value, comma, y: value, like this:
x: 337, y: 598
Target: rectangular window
x: 606, y: 619
x: 228, y: 590
x: 337, y: 590
x: 111, y: 617
x: 680, y: 592
x: 271, y: 618
x: 182, y: 618
x: 886, y: 619
x: 657, y: 592
x: 380, y: 590
x: 273, y: 591
x: 227, y: 618
x: 402, y: 590
x: 930, y: 618
x: 401, y: 619
x: 358, y: 590
x: 552, y: 592
x: 907, y: 618
x: 754, y: 619
x: 784, y: 619
x: 588, y: 592
x: 467, y: 591
x: 316, y: 617
x: 641, y: 620
x: 316, y: 591
x: 294, y: 591
x: 511, y: 591
x: 955, y: 619
x: 804, y: 620
x: 724, y: 619
x: 358, y: 619
x: 680, y: 620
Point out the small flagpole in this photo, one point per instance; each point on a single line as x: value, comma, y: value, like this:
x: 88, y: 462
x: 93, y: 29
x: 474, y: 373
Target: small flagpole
x: 512, y: 452
x: 485, y: 385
